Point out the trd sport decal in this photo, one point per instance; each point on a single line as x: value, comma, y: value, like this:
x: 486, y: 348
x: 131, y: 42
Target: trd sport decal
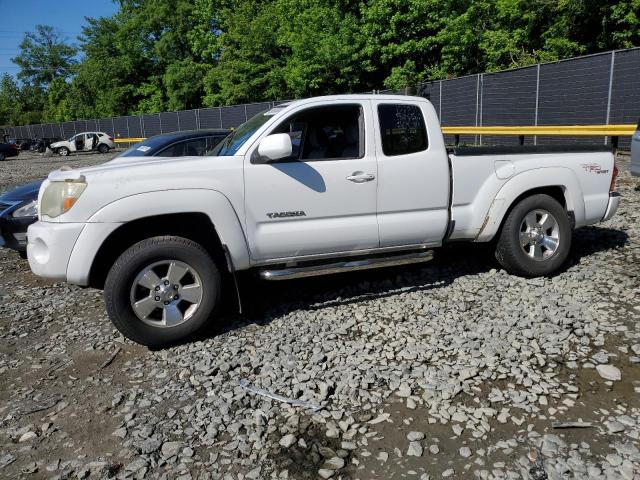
x: 593, y: 168
x: 298, y: 213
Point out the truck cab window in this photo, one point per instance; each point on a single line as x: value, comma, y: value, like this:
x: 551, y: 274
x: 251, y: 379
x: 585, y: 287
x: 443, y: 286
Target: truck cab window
x: 325, y: 133
x: 402, y: 129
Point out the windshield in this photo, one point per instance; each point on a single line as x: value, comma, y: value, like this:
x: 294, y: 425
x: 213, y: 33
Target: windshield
x: 232, y: 143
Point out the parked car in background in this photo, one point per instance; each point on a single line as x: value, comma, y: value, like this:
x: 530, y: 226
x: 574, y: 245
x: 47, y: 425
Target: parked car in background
x: 18, y: 207
x: 25, y: 143
x: 635, y: 152
x: 84, y: 142
x: 8, y: 150
x: 21, y: 143
x: 18, y: 210
x: 41, y: 144
x: 176, y: 144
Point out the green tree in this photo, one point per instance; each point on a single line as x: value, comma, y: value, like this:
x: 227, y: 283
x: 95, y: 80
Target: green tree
x: 156, y: 55
x: 250, y: 63
x: 285, y: 48
x: 44, y: 56
x: 9, y: 101
x: 20, y: 105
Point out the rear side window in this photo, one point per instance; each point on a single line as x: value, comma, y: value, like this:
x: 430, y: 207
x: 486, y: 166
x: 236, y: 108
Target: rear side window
x: 402, y: 129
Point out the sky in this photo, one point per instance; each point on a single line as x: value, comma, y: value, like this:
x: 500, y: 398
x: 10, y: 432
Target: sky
x: 67, y: 16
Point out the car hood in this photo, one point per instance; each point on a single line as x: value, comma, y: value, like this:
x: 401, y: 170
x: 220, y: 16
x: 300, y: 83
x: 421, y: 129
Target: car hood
x: 22, y: 193
x: 129, y: 160
x: 58, y: 144
x: 114, y: 166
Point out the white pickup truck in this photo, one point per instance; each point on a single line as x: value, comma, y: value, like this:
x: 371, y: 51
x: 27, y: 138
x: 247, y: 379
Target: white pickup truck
x: 311, y: 187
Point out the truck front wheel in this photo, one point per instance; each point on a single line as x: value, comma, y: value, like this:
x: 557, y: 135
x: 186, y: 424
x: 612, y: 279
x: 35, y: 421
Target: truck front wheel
x: 536, y: 237
x: 162, y: 290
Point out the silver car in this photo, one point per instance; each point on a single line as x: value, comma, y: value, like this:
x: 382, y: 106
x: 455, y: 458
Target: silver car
x: 635, y: 152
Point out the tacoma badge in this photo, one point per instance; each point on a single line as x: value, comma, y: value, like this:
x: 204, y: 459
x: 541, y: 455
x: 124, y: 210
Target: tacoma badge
x: 298, y: 213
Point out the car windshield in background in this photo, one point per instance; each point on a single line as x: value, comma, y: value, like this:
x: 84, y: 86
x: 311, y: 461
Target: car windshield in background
x: 230, y: 145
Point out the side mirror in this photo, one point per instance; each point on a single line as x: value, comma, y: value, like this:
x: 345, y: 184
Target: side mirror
x: 275, y: 147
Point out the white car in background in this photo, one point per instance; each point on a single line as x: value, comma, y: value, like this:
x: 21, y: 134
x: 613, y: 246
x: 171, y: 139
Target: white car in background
x: 84, y: 142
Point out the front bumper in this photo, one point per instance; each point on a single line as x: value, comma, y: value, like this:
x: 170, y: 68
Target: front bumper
x: 612, y: 206
x: 49, y: 248
x: 13, y: 232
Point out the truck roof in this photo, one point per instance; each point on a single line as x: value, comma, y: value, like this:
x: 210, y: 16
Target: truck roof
x: 360, y: 96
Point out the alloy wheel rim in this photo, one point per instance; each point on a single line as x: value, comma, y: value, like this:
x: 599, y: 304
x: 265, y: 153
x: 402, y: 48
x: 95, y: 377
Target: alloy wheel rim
x: 539, y: 235
x: 166, y: 293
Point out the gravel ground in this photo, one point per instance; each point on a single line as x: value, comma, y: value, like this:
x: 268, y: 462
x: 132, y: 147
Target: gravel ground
x: 33, y: 166
x: 455, y: 369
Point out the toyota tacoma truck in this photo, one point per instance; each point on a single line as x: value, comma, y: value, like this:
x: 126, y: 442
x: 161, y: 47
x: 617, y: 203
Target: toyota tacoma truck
x: 315, y: 186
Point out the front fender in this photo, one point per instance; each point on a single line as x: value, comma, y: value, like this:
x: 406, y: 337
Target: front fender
x: 529, y: 180
x: 212, y: 203
x: 209, y: 202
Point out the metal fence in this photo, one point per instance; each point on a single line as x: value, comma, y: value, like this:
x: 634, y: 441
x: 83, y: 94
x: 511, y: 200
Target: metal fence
x: 598, y: 89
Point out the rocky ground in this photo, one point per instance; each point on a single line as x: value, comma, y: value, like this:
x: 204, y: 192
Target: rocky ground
x: 33, y: 166
x: 455, y: 369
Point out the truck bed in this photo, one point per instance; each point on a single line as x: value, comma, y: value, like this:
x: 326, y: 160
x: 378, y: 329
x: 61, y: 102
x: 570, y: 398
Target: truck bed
x: 526, y: 149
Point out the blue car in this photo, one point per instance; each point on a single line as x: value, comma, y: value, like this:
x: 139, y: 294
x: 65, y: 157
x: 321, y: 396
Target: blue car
x: 18, y: 210
x: 19, y: 207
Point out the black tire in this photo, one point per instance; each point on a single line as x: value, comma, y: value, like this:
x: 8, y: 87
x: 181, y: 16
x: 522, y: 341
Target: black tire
x: 3, y: 157
x: 102, y: 148
x: 23, y: 254
x: 511, y: 254
x: 123, y: 274
x: 63, y: 151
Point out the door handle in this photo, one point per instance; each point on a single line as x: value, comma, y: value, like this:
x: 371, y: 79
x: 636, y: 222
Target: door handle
x: 360, y: 177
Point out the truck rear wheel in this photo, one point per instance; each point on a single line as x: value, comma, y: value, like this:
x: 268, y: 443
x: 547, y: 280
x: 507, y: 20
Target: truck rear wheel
x: 162, y: 290
x: 536, y: 237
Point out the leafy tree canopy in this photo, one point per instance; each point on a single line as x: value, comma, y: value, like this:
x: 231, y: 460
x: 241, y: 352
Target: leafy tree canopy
x: 157, y: 55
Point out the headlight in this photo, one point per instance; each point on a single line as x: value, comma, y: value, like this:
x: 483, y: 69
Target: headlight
x: 59, y: 197
x: 28, y: 210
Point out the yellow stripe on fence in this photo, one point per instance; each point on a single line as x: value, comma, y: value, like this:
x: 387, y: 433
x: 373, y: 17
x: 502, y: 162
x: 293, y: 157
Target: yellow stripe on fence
x: 129, y: 140
x: 569, y: 130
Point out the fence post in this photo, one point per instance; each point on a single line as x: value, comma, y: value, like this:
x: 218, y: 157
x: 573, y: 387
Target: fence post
x: 197, y: 119
x: 160, y: 121
x: 481, y: 101
x: 113, y: 128
x: 477, y: 104
x: 440, y: 103
x: 245, y: 112
x: 613, y: 60
x: 535, y: 122
x: 220, y: 113
x: 128, y: 131
x: 142, y: 131
x: 178, y: 118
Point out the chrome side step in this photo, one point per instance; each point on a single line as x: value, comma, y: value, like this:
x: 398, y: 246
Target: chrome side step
x: 347, y: 266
